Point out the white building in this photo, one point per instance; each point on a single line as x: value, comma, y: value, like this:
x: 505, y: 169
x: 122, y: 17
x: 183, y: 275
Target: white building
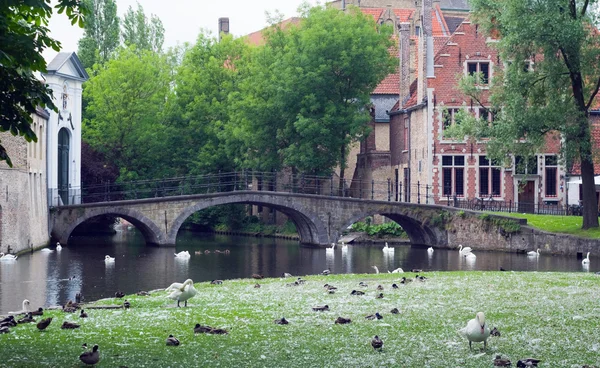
x: 65, y: 76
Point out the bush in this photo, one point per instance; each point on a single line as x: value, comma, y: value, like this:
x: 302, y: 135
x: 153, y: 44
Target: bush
x: 388, y: 229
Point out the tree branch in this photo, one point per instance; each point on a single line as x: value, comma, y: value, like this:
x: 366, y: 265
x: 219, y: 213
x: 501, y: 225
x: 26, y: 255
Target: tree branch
x: 587, y: 106
x: 585, y: 5
x: 573, y: 9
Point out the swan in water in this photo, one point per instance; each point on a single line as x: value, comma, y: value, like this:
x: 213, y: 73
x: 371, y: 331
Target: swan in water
x: 464, y: 251
x: 109, y: 259
x: 25, y: 309
x: 586, y: 260
x: 344, y: 246
x: 46, y: 250
x: 332, y: 248
x: 534, y: 253
x: 387, y: 249
x: 471, y: 256
x: 477, y: 330
x: 7, y: 257
x: 184, y: 254
x: 58, y: 246
x: 376, y: 269
x: 430, y: 250
x: 182, y: 293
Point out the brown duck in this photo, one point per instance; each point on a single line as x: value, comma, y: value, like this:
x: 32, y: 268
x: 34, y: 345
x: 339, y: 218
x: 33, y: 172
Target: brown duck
x: 282, y: 321
x: 90, y: 357
x: 83, y: 314
x: 377, y: 343
x: 43, y: 324
x: 342, y: 321
x: 27, y: 319
x: 357, y: 292
x: 202, y: 329
x: 172, y: 341
x: 321, y: 308
x: 257, y: 276
x: 69, y: 325
x: 499, y: 362
x: 39, y: 312
x: 119, y: 294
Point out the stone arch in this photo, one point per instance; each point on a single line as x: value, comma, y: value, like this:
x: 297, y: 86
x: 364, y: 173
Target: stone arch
x: 310, y: 228
x: 417, y: 231
x: 151, y: 232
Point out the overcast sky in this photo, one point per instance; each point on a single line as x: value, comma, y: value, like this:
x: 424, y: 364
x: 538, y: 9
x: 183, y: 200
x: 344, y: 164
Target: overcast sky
x: 183, y: 19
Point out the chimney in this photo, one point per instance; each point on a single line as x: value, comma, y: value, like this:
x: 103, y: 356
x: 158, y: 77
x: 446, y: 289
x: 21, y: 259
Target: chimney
x: 223, y: 26
x: 404, y: 49
x: 426, y: 50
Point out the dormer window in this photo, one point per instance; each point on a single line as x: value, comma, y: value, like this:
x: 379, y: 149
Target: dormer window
x: 481, y: 67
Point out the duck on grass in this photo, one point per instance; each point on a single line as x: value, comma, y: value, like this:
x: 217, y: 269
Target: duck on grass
x: 234, y: 324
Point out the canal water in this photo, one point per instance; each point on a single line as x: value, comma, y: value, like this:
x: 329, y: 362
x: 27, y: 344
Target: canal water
x: 53, y: 278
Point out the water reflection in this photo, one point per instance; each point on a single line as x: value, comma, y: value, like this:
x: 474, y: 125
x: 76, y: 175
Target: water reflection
x: 54, y: 278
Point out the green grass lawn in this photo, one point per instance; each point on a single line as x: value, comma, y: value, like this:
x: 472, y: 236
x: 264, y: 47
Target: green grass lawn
x: 556, y: 224
x: 550, y: 316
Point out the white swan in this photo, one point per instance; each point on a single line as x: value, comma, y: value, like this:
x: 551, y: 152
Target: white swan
x: 109, y: 259
x: 58, y: 246
x: 430, y: 250
x: 586, y: 260
x: 24, y: 310
x: 470, y: 256
x: 332, y: 248
x: 464, y: 251
x: 46, y: 250
x: 183, y: 292
x: 344, y: 246
x: 183, y: 254
x: 398, y: 270
x: 7, y: 257
x: 534, y: 254
x: 387, y: 249
x: 376, y: 269
x: 477, y: 330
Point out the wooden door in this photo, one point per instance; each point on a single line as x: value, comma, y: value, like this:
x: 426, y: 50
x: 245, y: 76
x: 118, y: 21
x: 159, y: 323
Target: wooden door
x: 527, y: 198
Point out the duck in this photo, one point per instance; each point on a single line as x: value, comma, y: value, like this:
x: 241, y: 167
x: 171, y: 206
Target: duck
x: 184, y: 254
x: 25, y: 308
x: 430, y: 250
x: 376, y: 269
x: 495, y: 332
x: 202, y: 329
x: 379, y: 287
x: 374, y: 316
x: 395, y: 311
x: 363, y: 284
x: 218, y: 331
x: 379, y: 296
x: 477, y: 330
x: 58, y: 246
x: 342, y: 321
x: 586, y: 260
x: 534, y: 253
x: 404, y: 280
x: 142, y: 293
x: 90, y: 357
x: 326, y: 272
x: 257, y: 286
x: 216, y: 282
x: 38, y: 312
x: 528, y: 362
x: 357, y: 292
x: 126, y: 304
x: 282, y: 321
x: 7, y: 257
x: 83, y: 314
x: 69, y: 325
x: 185, y: 292
x: 207, y: 251
x: 321, y: 308
x: 27, y: 319
x: 43, y: 324
x: 377, y: 343
x: 109, y: 259
x: 119, y: 294
x: 499, y: 362
x: 464, y: 251
x: 4, y: 329
x: 172, y: 341
x: 257, y: 276
x: 9, y: 321
x: 394, y: 286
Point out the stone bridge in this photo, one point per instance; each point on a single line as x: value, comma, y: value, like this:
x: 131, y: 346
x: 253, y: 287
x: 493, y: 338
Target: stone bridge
x: 320, y: 220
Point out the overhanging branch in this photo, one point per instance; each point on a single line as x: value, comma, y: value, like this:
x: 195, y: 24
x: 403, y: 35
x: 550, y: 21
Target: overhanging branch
x: 587, y: 106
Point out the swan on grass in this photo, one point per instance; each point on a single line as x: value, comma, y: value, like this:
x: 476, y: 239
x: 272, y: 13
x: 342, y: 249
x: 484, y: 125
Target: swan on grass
x: 586, y: 260
x: 184, y: 254
x: 7, y: 257
x: 109, y: 259
x: 464, y: 251
x: 534, y: 253
x: 397, y: 270
x: 476, y: 330
x: 376, y: 269
x: 25, y: 308
x: 183, y: 293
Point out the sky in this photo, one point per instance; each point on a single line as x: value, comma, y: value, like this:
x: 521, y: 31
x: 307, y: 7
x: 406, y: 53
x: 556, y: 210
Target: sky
x: 183, y: 19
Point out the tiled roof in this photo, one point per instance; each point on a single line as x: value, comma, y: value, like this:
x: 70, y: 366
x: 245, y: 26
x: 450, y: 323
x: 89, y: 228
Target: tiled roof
x: 256, y: 38
x: 404, y: 14
x: 438, y: 24
x: 390, y: 85
x: 374, y: 12
x: 412, y: 101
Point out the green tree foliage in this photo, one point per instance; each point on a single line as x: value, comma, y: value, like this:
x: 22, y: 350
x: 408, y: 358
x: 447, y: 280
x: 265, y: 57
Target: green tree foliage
x: 311, y: 83
x: 101, y: 35
x: 209, y: 74
x: 126, y: 106
x: 24, y: 35
x: 143, y: 33
x: 548, y: 84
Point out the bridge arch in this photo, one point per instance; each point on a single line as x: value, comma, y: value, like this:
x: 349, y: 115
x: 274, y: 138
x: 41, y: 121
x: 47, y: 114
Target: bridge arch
x: 311, y: 229
x: 151, y: 232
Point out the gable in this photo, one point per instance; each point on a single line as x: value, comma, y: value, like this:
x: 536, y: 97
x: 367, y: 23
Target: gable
x: 67, y: 65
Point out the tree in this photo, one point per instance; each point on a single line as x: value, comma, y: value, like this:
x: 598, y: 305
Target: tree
x: 127, y: 98
x: 101, y: 35
x: 317, y: 77
x: 144, y: 34
x: 549, y: 83
x: 24, y: 35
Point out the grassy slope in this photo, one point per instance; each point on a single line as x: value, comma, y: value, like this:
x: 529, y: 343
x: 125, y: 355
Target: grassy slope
x: 551, y: 316
x: 557, y: 224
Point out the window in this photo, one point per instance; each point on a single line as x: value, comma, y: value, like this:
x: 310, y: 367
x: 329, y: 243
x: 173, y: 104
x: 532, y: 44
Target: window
x: 551, y: 169
x: 453, y: 168
x: 405, y: 137
x: 526, y: 166
x: 448, y: 118
x: 417, y: 30
x: 482, y: 67
x: 489, y: 178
